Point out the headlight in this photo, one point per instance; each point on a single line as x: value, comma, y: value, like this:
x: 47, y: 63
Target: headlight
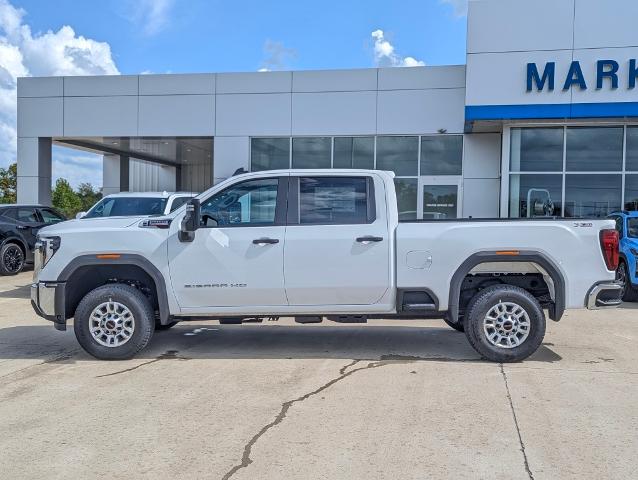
x: 45, y: 248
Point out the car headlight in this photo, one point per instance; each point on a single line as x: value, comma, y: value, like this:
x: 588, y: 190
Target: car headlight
x: 45, y: 248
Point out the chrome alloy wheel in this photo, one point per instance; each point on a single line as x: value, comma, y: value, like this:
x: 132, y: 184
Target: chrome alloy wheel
x: 506, y: 325
x: 13, y: 258
x: 111, y: 324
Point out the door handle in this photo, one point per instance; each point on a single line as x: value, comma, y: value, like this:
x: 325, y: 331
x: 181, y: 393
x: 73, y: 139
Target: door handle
x: 264, y: 241
x: 22, y: 227
x: 369, y: 238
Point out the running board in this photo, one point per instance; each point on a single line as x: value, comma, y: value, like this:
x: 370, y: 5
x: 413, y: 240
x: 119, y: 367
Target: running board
x: 419, y: 307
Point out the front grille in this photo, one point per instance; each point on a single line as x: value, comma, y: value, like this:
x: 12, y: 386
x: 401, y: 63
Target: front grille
x: 38, y: 259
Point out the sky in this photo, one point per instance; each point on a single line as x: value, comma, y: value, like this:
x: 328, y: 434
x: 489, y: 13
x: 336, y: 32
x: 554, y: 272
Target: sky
x: 90, y: 37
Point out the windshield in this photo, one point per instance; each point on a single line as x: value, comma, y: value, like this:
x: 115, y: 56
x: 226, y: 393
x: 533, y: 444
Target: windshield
x: 127, y: 207
x: 632, y: 227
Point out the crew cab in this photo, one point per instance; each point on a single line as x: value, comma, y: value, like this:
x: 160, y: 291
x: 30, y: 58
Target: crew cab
x: 318, y: 244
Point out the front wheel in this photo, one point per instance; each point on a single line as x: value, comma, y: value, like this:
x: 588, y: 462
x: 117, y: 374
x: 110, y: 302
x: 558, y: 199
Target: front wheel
x: 114, y: 322
x: 505, y: 323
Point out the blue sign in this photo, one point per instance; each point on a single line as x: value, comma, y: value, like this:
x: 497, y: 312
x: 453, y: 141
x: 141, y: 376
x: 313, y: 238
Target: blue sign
x: 607, y: 74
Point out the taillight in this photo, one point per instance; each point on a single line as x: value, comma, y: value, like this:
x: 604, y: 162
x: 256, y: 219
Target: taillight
x: 609, y: 245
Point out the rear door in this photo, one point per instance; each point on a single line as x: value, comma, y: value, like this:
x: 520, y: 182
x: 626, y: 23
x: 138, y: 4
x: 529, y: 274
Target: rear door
x: 337, y: 248
x: 27, y: 223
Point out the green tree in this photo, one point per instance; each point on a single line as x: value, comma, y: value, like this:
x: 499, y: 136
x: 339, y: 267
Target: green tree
x: 65, y: 199
x: 88, y: 195
x: 8, y: 184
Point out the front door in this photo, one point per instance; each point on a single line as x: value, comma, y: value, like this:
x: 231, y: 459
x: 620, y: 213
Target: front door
x: 337, y: 243
x: 236, y: 257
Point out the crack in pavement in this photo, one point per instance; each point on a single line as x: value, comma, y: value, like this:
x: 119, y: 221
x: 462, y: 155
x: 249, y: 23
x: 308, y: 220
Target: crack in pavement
x: 62, y: 356
x: 246, y: 460
x: 518, y: 430
x: 169, y: 355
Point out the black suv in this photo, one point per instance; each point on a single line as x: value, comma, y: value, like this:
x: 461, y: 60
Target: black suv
x: 19, y: 226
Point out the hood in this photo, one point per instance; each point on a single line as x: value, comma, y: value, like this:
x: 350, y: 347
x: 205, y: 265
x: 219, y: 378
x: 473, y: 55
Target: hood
x: 91, y: 224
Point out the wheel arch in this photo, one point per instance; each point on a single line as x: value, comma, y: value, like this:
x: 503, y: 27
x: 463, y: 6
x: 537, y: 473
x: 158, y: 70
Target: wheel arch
x: 517, y: 257
x: 89, y: 271
x: 18, y: 241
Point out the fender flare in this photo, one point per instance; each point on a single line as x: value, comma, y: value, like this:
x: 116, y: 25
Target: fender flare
x: 492, y: 257
x: 18, y: 240
x: 124, y: 259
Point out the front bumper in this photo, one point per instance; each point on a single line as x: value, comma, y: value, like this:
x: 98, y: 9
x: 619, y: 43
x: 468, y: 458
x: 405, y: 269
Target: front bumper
x: 47, y: 299
x: 604, y: 295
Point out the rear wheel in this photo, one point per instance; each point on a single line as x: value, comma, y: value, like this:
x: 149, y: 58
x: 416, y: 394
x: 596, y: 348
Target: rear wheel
x: 11, y: 259
x: 505, y: 323
x: 629, y: 293
x: 114, y: 322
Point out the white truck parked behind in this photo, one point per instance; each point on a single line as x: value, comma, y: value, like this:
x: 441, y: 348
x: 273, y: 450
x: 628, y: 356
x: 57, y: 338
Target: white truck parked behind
x: 315, y: 244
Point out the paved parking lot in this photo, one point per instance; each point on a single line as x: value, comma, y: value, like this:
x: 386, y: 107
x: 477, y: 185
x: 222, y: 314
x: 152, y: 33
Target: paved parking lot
x: 280, y: 400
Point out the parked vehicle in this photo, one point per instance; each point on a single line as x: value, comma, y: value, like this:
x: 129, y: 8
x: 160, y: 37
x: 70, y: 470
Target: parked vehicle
x: 315, y: 244
x: 130, y: 204
x: 19, y: 225
x: 626, y: 274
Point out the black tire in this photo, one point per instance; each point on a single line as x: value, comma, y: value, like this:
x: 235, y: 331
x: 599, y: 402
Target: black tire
x: 11, y: 259
x: 478, y: 309
x: 161, y: 328
x: 629, y: 293
x: 458, y: 326
x: 137, y: 304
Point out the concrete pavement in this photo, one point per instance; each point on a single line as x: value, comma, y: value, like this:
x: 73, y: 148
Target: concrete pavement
x: 407, y: 400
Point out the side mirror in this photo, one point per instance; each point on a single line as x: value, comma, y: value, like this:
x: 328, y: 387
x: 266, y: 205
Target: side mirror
x: 191, y: 221
x: 80, y: 215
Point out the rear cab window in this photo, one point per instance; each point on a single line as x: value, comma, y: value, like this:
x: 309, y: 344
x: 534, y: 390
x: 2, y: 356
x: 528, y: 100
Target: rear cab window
x: 327, y: 200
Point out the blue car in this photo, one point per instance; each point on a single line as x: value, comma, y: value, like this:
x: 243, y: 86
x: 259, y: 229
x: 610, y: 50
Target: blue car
x: 627, y: 226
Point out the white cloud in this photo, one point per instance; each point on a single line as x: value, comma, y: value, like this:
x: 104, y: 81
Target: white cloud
x: 460, y: 6
x: 151, y: 15
x: 77, y: 167
x: 23, y: 53
x: 276, y: 56
x: 386, y: 56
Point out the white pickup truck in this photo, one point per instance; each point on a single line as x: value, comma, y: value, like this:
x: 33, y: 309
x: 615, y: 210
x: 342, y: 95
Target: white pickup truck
x: 314, y: 244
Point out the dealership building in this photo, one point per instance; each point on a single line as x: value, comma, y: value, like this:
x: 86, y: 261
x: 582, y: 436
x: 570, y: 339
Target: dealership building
x: 542, y: 120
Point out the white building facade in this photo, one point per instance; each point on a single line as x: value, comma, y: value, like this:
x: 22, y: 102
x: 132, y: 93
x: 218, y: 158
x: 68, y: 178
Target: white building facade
x: 543, y: 120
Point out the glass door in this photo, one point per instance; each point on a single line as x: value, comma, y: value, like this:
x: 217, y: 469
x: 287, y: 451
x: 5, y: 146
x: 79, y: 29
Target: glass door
x: 439, y: 199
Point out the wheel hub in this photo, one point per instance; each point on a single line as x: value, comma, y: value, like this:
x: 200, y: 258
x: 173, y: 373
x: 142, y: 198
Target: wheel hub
x: 506, y: 325
x: 111, y: 324
x: 13, y: 259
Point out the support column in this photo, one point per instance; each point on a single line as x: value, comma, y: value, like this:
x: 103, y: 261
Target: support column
x: 115, y: 174
x: 34, y: 170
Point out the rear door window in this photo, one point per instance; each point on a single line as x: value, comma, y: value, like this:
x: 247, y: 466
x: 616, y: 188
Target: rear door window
x: 333, y: 200
x: 26, y: 215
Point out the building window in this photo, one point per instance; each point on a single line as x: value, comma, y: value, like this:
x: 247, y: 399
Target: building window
x: 580, y: 176
x: 407, y: 197
x: 353, y: 152
x: 631, y: 164
x: 534, y: 195
x: 398, y: 154
x: 311, y: 152
x: 440, y: 202
x: 631, y: 192
x: 442, y: 155
x: 269, y: 154
x: 536, y: 150
x: 592, y: 149
x: 592, y: 195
